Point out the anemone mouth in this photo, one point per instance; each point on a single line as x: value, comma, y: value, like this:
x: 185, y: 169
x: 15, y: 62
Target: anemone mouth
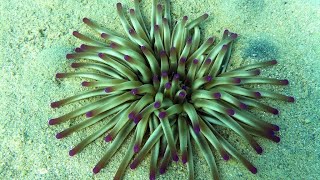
x: 169, y: 89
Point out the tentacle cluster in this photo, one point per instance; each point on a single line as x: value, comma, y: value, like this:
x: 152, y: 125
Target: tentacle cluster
x: 167, y: 88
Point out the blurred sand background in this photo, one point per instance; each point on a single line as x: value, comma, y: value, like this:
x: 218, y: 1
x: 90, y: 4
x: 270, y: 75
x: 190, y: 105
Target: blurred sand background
x: 36, y: 35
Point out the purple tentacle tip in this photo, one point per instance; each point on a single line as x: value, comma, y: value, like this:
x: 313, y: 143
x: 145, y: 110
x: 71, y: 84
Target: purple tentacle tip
x: 137, y: 119
x: 291, y: 99
x: 85, y: 83
x: 108, y: 138
x: 237, y: 80
x: 210, y: 40
x: 55, y: 104
x: 257, y: 94
x: 189, y: 40
x: 183, y: 60
x: 162, y: 170
x: 143, y: 48
x: 196, y: 128
x: 113, y: 45
x: 89, y: 114
x: 77, y: 50
x: 104, y: 35
x: 275, y: 127
x: 127, y: 58
x: 155, y: 78
x: 225, y: 47
x: 52, y: 122
x: 226, y: 157
x: 59, y: 135
x: 182, y: 94
x: 233, y: 35
x: 108, y: 89
x: 86, y: 20
x: 175, y: 157
x: 131, y: 115
x: 163, y: 53
x: 253, y: 170
x: 157, y: 105
x: 276, y: 139
x: 270, y: 132
x: 243, y: 106
x: 132, y: 32
x: 156, y: 27
x: 258, y: 149
x: 101, y: 55
x: 167, y: 85
x: 184, y: 159
x: 230, y: 112
x: 83, y: 47
x: 273, y: 62
x: 72, y: 152
x: 164, y: 74
x: 176, y: 76
x: 162, y: 114
x: 274, y: 111
x: 152, y: 176
x: 134, y: 164
x: 185, y: 18
x: 284, y: 82
x: 217, y: 95
x: 136, y: 148
x: 96, y: 169
x: 257, y: 72
x: 208, y: 78
x: 60, y: 75
x: 134, y: 91
x: 75, y: 65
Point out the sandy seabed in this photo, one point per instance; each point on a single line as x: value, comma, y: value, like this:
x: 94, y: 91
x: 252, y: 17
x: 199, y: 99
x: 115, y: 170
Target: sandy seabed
x: 36, y: 35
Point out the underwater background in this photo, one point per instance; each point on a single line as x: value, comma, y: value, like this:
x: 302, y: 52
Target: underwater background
x: 36, y: 35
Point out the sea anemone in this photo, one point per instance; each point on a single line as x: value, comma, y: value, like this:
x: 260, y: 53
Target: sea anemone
x: 168, y: 89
